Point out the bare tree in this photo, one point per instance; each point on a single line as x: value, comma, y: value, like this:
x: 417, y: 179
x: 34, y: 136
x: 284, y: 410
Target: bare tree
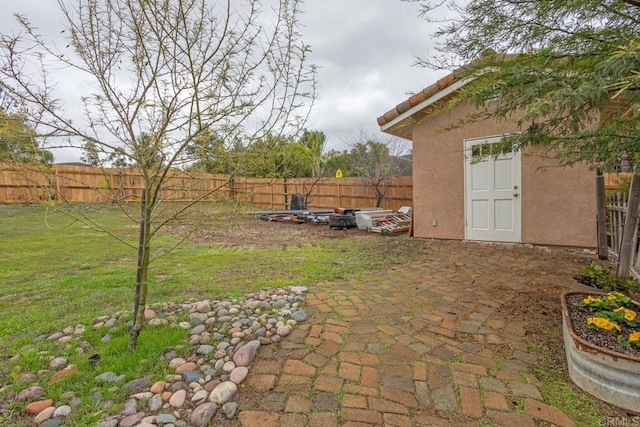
x: 161, y: 74
x: 375, y: 161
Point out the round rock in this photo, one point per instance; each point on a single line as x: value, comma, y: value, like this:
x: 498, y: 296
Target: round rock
x: 30, y: 393
x: 165, y: 419
x: 198, y: 330
x: 200, y: 395
x: 155, y: 402
x: 205, y: 349
x: 137, y: 385
x: 44, y: 415
x: 299, y: 316
x: 52, y: 422
x: 177, y: 399
x: 230, y: 409
x: 223, y: 392
x: 238, y: 374
x: 202, y: 415
x: 203, y: 306
x: 62, y: 411
x: 58, y: 363
x: 245, y: 354
x: 191, y: 376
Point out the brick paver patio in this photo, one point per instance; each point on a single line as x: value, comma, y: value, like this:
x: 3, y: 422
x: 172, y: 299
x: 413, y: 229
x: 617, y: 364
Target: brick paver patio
x: 417, y: 345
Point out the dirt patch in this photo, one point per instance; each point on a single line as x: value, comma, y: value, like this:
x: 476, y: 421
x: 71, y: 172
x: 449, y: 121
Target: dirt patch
x: 249, y: 232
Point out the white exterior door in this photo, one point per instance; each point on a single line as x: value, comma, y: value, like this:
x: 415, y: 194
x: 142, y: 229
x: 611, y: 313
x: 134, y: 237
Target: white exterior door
x: 492, y: 192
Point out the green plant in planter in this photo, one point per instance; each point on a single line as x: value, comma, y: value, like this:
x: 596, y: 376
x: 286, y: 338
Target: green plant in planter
x: 634, y: 339
x: 609, y: 313
x: 596, y: 276
x: 612, y: 300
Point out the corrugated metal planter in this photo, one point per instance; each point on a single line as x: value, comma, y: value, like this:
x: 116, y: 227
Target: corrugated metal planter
x: 608, y: 375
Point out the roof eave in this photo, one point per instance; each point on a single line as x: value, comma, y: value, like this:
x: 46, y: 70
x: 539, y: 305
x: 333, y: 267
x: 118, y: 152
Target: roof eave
x: 402, y: 125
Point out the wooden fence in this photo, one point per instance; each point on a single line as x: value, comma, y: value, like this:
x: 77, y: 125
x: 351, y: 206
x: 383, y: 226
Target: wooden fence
x: 612, y: 181
x: 81, y: 184
x: 617, y: 210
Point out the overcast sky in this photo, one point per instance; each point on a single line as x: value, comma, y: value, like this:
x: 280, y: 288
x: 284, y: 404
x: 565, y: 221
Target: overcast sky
x: 364, y: 49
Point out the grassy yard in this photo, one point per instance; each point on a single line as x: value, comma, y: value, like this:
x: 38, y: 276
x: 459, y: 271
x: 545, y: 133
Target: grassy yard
x: 56, y: 272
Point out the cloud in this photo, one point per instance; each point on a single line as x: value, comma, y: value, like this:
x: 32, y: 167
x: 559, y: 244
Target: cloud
x: 364, y: 49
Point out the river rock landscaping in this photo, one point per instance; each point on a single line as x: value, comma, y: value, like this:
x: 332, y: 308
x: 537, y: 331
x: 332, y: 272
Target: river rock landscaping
x: 223, y: 335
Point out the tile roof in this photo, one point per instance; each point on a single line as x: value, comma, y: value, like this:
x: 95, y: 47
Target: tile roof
x: 403, y: 129
x: 418, y: 98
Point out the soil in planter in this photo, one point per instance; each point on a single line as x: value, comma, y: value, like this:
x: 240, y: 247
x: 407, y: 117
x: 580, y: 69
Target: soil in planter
x: 599, y: 337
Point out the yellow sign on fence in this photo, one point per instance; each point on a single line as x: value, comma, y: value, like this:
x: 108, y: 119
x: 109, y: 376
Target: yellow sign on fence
x: 339, y: 173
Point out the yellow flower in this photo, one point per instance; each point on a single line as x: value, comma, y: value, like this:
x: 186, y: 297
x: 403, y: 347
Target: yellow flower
x: 629, y: 315
x: 590, y: 299
x: 634, y: 336
x: 603, y: 323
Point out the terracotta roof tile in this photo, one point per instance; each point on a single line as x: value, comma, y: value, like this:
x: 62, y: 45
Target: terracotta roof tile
x: 417, y: 98
x: 446, y: 81
x: 429, y: 91
x: 436, y: 87
x: 403, y: 107
x: 391, y: 114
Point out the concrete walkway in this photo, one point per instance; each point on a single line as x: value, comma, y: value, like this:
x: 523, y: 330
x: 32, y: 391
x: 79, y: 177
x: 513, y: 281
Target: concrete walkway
x: 417, y: 345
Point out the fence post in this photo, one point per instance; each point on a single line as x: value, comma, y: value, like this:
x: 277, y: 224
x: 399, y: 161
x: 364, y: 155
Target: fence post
x: 603, y: 252
x: 286, y: 194
x: 630, y: 227
x: 232, y: 189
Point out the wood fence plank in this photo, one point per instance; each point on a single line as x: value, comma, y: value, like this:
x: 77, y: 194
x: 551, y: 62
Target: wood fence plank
x: 84, y: 184
x: 629, y: 234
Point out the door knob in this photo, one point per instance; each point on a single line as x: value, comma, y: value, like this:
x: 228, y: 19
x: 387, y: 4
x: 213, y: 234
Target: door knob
x: 516, y: 194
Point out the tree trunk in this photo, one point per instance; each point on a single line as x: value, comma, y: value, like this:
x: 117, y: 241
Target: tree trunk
x: 140, y: 300
x: 380, y: 188
x: 630, y: 227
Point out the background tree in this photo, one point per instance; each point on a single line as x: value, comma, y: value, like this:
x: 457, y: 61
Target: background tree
x: 314, y: 142
x: 313, y: 145
x: 375, y: 162
x: 268, y: 157
x: 335, y: 160
x: 163, y: 74
x: 213, y: 154
x: 272, y: 157
x: 18, y: 143
x: 555, y: 67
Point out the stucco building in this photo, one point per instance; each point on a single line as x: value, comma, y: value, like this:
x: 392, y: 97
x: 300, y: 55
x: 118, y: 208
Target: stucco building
x: 518, y: 197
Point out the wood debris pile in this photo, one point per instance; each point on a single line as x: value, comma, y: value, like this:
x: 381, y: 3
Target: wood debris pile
x: 374, y: 220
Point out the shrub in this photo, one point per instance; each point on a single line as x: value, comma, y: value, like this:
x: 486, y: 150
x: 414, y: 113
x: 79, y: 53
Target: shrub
x: 596, y: 276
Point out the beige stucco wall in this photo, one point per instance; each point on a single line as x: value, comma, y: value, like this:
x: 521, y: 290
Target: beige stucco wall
x: 558, y: 204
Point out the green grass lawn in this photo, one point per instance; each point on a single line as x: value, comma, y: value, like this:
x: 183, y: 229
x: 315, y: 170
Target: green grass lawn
x: 56, y: 272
